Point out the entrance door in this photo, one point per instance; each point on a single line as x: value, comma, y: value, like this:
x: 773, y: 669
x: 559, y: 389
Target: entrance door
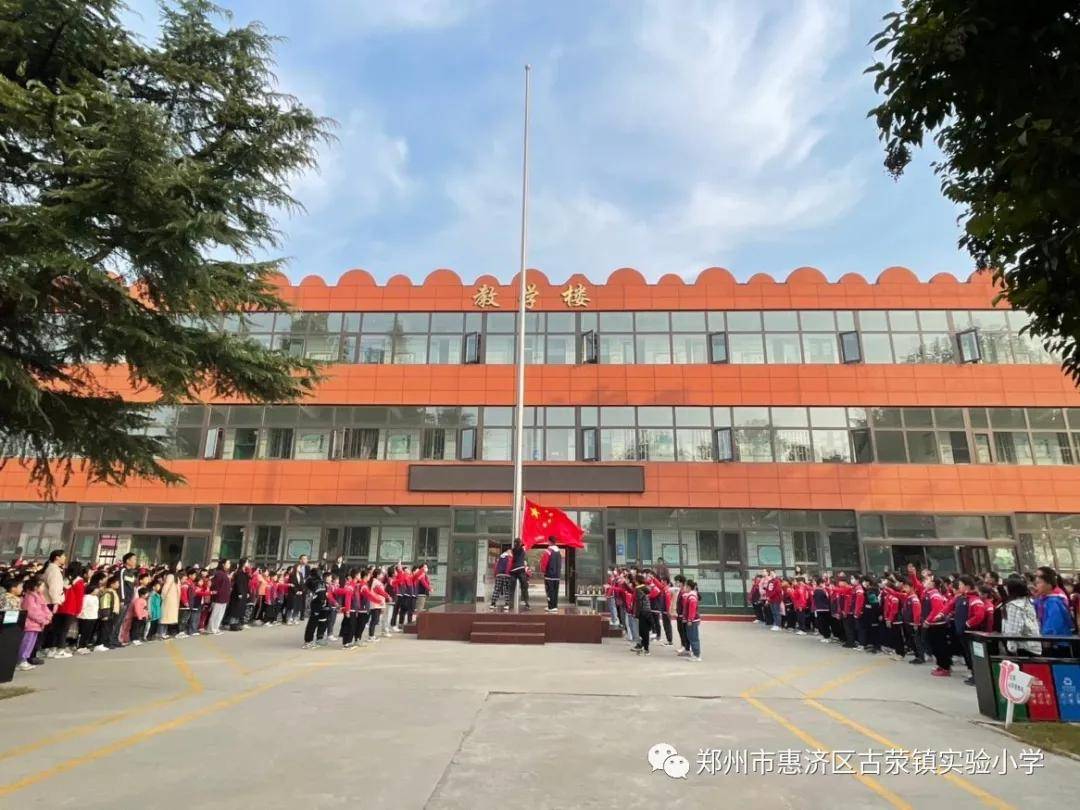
x: 462, y: 586
x: 974, y: 560
x: 903, y: 555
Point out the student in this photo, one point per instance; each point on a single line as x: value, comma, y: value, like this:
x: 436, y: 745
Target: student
x: 628, y: 590
x: 68, y: 611
x: 891, y: 623
x: 421, y: 586
x: 408, y: 598
x: 354, y: 614
x: 680, y: 615
x: 140, y: 613
x: 614, y: 609
x: 643, y: 611
x: 774, y: 599
x: 109, y: 616
x: 911, y: 615
x: 315, y: 629
x: 871, y: 616
x: 154, y: 603
x: 1021, y: 618
x: 518, y: 573
x: 501, y: 588
x: 935, y: 624
x: 88, y: 615
x: 1052, y: 608
x: 819, y: 600
x: 376, y: 595
x: 969, y: 613
x: 757, y: 600
x: 551, y: 570
x: 693, y: 621
x: 38, y: 617
x: 13, y: 590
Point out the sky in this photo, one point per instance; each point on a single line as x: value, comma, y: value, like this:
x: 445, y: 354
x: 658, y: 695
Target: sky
x: 666, y: 136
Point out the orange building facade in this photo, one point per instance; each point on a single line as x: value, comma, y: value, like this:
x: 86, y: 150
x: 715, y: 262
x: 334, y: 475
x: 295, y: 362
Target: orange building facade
x: 725, y: 427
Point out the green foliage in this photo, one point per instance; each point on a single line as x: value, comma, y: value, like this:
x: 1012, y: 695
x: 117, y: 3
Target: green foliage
x: 138, y: 184
x: 997, y: 84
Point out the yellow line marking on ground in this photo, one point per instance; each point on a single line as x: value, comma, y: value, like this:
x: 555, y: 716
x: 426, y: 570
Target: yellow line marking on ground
x: 154, y: 731
x: 188, y: 674
x: 816, y: 744
x: 788, y: 677
x: 194, y: 687
x: 228, y: 658
x: 836, y: 683
x: 986, y: 798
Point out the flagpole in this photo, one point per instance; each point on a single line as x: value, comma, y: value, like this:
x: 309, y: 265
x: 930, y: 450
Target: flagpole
x: 519, y: 420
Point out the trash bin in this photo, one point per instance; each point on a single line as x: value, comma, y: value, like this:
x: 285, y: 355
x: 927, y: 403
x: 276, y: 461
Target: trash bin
x: 11, y: 631
x: 1067, y: 687
x: 1043, y: 703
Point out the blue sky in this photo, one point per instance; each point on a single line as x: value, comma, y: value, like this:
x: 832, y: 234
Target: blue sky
x: 667, y: 136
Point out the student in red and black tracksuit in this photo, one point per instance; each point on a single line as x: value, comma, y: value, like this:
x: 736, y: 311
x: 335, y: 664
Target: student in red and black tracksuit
x: 693, y: 620
x: 667, y: 595
x: 551, y: 569
x: 820, y: 606
x: 871, y: 616
x: 501, y: 588
x: 680, y: 614
x: 774, y: 598
x: 345, y: 595
x: 935, y: 623
x: 757, y: 599
x: 408, y: 591
x: 890, y: 617
x: 845, y: 600
x: 422, y: 586
x: 969, y: 613
x: 911, y: 613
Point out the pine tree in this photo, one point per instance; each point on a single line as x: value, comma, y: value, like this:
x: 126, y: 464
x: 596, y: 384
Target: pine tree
x: 138, y: 186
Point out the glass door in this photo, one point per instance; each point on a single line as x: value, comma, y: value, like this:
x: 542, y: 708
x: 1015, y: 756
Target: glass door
x: 974, y: 560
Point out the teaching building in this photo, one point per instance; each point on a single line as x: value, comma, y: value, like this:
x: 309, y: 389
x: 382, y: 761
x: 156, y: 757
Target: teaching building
x: 725, y: 427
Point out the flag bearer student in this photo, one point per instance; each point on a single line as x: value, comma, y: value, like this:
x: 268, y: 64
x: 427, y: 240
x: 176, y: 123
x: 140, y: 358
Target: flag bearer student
x: 969, y: 613
x: 501, y: 589
x: 551, y: 569
x: 680, y: 615
x: 644, y: 594
x: 315, y: 588
x: 693, y: 620
x: 820, y: 605
x: 517, y: 573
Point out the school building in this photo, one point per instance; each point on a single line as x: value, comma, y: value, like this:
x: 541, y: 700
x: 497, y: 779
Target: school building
x: 723, y: 426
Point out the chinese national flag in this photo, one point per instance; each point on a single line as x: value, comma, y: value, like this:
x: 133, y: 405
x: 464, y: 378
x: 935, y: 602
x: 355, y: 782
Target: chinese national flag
x: 543, y: 522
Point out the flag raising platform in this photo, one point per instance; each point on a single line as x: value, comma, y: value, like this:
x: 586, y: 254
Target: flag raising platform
x: 481, y: 625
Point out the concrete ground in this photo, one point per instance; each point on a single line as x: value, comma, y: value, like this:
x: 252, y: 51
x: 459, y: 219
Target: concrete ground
x: 251, y: 720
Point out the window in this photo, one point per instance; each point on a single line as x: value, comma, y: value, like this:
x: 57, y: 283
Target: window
x: 357, y: 542
x: 618, y: 444
x: 232, y: 542
x: 214, y: 443
x: 267, y: 542
x: 1051, y: 448
x: 590, y: 446
x: 982, y: 448
x: 689, y: 349
x: 890, y: 446
x: 279, y: 443
x: 471, y: 351
x: 695, y: 444
x: 793, y: 446
x: 783, y: 348
x: 499, y: 349
x: 861, y: 447
x: 850, y: 350
x: 245, y: 442
x: 820, y: 348
x: 497, y: 444
x: 313, y: 444
x: 445, y: 350
x: 427, y: 543
x: 953, y: 447
x: 402, y: 445
x: 753, y: 444
x: 590, y: 351
x: 718, y: 348
x: 468, y: 444
x: 876, y: 348
x: 559, y: 444
x: 833, y: 446
x: 374, y: 349
x: 968, y: 342
x: 653, y: 349
x: 725, y: 447
x: 437, y: 443
x: 745, y: 349
x: 922, y: 447
x: 1013, y: 448
x: 708, y: 546
x: 657, y: 444
x: 617, y: 349
x: 360, y: 443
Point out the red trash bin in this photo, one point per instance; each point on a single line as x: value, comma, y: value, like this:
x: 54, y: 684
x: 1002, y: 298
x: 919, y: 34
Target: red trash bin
x: 1042, y: 707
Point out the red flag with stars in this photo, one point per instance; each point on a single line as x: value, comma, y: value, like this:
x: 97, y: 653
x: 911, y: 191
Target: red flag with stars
x: 541, y: 523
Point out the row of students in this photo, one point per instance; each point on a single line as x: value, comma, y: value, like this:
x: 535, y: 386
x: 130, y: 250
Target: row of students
x: 372, y: 602
x: 918, y: 614
x: 644, y: 604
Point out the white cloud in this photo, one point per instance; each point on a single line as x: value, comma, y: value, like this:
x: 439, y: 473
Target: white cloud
x: 692, y: 132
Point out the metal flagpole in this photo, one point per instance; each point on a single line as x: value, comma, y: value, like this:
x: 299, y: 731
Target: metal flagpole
x: 519, y: 415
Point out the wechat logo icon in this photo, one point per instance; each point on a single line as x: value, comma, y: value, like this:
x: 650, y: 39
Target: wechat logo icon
x: 664, y: 757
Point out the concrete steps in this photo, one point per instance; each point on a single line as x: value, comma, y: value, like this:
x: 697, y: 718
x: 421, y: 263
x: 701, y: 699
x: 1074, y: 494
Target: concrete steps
x: 507, y: 633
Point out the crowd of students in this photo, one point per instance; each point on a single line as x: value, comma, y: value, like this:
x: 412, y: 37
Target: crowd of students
x: 919, y: 613
x: 75, y: 609
x: 644, y: 601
